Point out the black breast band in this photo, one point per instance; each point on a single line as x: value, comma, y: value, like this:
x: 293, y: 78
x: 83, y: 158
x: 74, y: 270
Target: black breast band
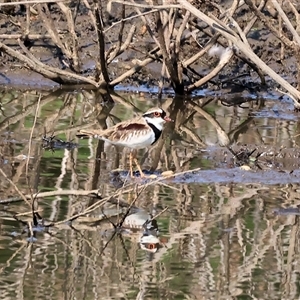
x: 156, y: 131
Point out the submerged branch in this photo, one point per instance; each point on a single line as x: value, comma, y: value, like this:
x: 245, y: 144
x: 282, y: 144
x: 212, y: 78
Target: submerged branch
x: 93, y: 193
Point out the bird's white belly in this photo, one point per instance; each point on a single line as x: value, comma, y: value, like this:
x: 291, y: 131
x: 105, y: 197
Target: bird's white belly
x: 136, y: 141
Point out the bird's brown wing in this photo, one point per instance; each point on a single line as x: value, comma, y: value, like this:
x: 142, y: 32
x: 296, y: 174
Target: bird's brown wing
x: 124, y: 132
x: 117, y: 132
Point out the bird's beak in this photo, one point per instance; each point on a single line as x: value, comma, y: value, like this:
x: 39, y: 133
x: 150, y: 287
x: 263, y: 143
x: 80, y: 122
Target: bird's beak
x: 167, y: 119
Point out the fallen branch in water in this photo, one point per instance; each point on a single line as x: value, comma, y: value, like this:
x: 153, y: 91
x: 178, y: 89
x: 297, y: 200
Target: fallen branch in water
x: 93, y: 193
x: 48, y: 194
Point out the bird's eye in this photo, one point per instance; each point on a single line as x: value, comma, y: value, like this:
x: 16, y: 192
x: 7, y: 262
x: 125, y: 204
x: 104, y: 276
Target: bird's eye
x: 156, y: 114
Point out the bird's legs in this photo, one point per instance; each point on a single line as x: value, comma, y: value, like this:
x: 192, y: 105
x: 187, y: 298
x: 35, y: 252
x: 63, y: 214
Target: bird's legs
x: 130, y: 165
x: 132, y: 157
x: 139, y: 167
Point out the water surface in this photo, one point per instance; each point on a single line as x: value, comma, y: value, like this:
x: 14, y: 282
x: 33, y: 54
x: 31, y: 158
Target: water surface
x: 222, y: 236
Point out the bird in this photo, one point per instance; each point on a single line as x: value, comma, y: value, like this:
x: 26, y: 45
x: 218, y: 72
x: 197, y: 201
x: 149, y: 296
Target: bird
x: 136, y: 133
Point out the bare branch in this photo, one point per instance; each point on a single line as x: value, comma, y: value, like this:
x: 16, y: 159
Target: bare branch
x: 287, y: 21
x: 55, y: 74
x: 264, y: 19
x: 159, y: 7
x: 227, y: 33
x: 101, y: 42
x: 31, y: 2
x: 71, y: 25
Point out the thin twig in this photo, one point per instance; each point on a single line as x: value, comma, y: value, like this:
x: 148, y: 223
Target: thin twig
x: 160, y: 213
x: 74, y: 47
x: 180, y: 32
x: 16, y: 188
x: 118, y: 51
x: 158, y: 7
x: 286, y: 21
x: 224, y: 60
x: 28, y: 213
x: 130, y: 18
x: 31, y: 134
x: 147, y: 23
x: 120, y: 224
x: 31, y: 2
x: 29, y: 36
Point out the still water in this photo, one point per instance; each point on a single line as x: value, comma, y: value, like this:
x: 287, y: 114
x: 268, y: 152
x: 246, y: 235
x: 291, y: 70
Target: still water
x: 227, y: 230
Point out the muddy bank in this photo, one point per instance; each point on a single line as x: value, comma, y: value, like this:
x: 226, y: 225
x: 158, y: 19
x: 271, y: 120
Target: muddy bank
x: 236, y: 78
